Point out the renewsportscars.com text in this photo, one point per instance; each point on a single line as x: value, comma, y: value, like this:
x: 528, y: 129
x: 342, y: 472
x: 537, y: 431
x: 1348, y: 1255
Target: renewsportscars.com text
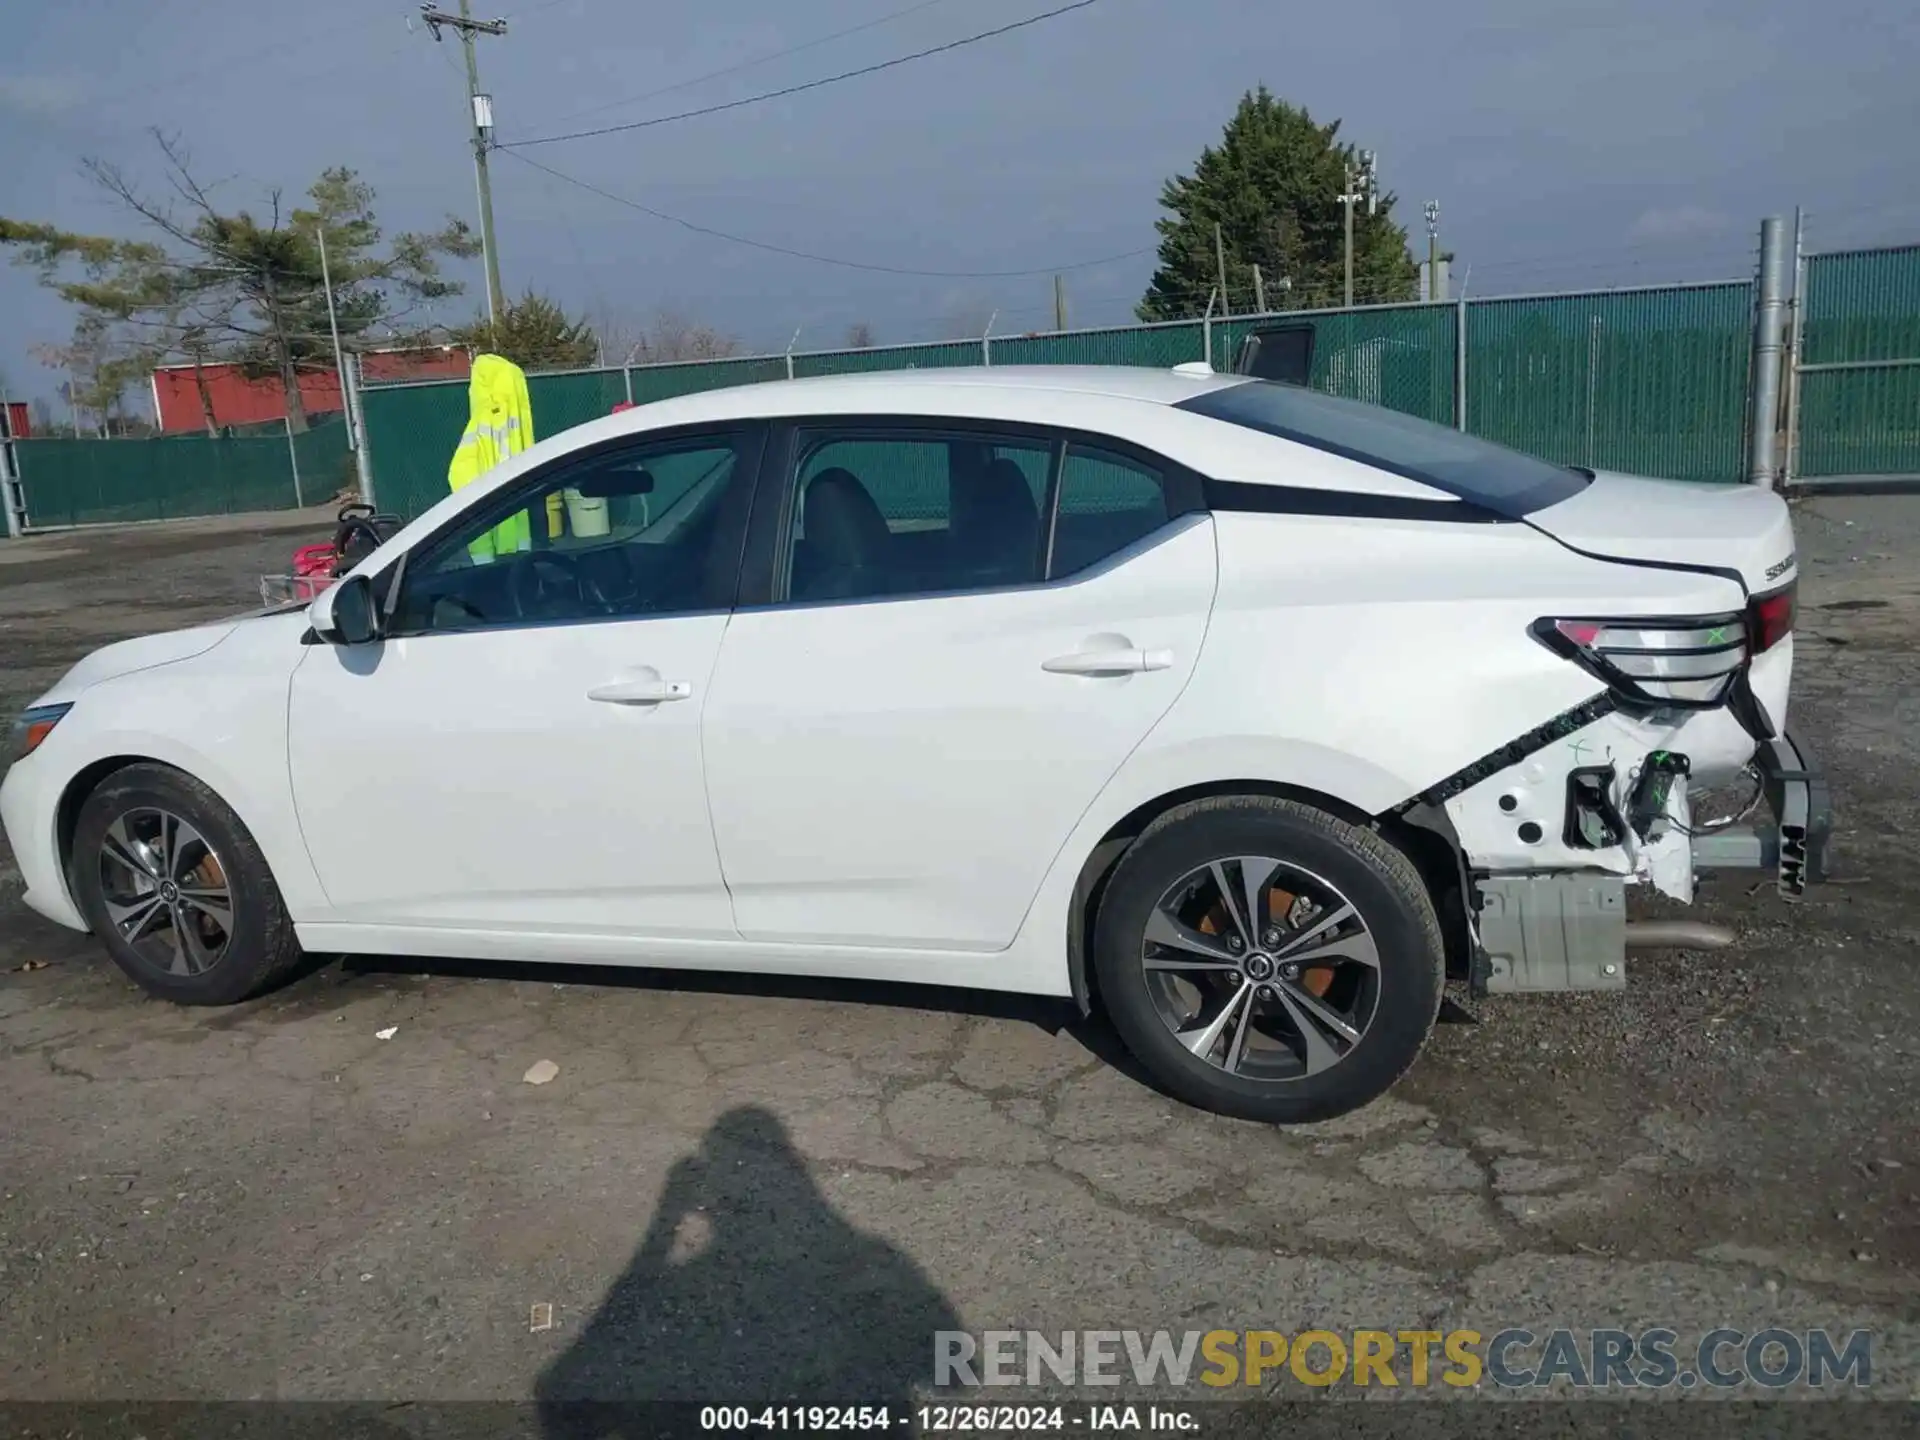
x: 1513, y: 1358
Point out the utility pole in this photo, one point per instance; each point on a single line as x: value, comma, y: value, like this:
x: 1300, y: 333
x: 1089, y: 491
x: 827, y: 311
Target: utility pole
x: 1059, y: 302
x: 1362, y: 184
x: 339, y: 359
x: 1220, y: 261
x: 1259, y: 292
x: 482, y: 106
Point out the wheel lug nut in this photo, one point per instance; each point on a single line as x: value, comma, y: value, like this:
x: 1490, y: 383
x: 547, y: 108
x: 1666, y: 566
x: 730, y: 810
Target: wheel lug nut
x: 1266, y: 992
x: 1290, y: 972
x: 1235, y: 944
x: 1270, y: 939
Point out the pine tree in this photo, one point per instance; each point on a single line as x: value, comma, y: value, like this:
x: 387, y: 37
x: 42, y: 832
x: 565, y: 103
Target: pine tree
x: 534, y: 333
x: 207, y: 284
x: 1273, y: 185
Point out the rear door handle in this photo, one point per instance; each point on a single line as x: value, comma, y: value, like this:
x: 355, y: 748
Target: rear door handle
x: 641, y: 692
x: 1109, y: 662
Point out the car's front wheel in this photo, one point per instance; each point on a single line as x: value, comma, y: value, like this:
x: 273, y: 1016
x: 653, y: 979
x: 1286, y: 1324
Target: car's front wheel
x: 1267, y: 960
x: 168, y: 877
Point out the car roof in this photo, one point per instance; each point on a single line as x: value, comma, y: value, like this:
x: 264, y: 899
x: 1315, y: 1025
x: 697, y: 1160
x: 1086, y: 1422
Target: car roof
x: 878, y: 388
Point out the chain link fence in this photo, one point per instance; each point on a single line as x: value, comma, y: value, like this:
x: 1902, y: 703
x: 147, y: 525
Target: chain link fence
x: 1649, y: 381
x: 1653, y: 381
x: 1858, y: 363
x: 92, y: 482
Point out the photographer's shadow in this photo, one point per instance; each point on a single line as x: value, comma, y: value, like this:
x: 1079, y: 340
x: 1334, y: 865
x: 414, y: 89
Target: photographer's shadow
x: 748, y: 1289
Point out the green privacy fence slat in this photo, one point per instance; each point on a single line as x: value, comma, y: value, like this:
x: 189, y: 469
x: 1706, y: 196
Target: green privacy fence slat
x: 326, y: 464
x: 89, y: 482
x: 560, y: 402
x: 1862, y: 308
x: 411, y: 434
x: 1862, y: 305
x: 1860, y: 422
x: 663, y: 382
x: 1651, y: 382
x: 1159, y: 347
x: 893, y: 357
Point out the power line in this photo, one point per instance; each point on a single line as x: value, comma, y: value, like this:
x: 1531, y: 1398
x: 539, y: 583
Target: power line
x: 810, y: 84
x: 751, y: 64
x: 823, y: 259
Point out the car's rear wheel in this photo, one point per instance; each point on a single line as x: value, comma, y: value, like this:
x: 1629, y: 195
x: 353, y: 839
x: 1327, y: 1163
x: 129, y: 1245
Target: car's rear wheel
x: 1264, y: 959
x: 176, y: 888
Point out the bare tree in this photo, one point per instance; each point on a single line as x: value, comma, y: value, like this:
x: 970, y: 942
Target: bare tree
x: 860, y: 336
x: 95, y: 372
x: 672, y: 336
x: 614, y: 332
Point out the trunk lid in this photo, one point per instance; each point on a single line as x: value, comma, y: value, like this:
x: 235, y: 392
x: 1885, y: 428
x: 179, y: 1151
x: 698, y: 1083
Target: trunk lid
x: 1741, y: 528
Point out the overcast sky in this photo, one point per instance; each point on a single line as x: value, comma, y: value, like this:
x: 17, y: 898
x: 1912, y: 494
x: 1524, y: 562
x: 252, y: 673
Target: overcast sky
x: 1569, y: 142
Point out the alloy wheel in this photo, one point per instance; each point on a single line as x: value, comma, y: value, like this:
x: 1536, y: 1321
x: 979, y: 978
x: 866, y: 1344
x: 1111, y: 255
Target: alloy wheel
x: 1261, y: 968
x: 166, y: 891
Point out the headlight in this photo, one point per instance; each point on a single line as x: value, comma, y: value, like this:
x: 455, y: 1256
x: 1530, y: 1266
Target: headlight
x: 34, y: 726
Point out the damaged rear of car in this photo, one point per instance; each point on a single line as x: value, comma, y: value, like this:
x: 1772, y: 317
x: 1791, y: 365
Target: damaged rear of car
x: 1661, y: 611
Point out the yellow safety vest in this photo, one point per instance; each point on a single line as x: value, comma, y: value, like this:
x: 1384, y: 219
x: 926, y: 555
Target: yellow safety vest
x: 499, y: 424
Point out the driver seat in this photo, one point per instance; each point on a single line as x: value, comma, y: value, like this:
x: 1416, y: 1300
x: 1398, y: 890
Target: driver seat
x: 845, y: 543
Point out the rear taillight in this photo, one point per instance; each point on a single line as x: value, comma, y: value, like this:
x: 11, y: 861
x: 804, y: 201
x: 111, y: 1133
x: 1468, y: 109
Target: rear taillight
x: 1686, y: 662
x: 1770, y: 619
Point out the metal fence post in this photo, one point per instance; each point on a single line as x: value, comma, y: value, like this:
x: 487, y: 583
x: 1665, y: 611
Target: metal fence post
x: 362, y: 457
x: 13, y: 495
x: 1769, y: 315
x: 1206, y: 327
x: 986, y: 340
x: 1796, y: 350
x: 293, y: 459
x: 790, y: 344
x: 626, y: 375
x: 1460, y: 363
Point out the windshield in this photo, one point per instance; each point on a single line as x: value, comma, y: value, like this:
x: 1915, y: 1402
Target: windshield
x: 1504, y: 481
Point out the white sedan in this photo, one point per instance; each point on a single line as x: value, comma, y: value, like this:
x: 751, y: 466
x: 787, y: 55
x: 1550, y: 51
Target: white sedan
x: 1247, y: 714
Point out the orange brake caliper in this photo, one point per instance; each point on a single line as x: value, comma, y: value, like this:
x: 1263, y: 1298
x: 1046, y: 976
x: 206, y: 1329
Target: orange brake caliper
x: 1316, y: 981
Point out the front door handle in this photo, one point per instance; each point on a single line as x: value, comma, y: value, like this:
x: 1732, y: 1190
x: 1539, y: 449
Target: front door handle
x: 649, y: 691
x: 1109, y: 662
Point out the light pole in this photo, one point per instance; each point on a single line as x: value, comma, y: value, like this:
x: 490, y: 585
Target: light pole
x: 1433, y: 251
x: 1362, y: 184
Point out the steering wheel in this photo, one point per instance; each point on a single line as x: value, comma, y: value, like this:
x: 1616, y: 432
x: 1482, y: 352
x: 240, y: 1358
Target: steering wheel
x: 538, y: 577
x: 457, y: 602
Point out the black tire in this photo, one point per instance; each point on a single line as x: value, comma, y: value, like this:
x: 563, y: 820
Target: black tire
x: 259, y: 949
x: 1376, y: 878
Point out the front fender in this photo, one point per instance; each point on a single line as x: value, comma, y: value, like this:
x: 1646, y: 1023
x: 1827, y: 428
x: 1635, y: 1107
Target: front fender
x: 237, y: 748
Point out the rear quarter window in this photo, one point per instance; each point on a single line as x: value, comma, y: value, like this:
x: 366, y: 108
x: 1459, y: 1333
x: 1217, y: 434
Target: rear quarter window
x: 1506, y: 482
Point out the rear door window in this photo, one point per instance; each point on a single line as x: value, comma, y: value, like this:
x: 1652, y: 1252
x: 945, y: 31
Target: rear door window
x: 1107, y: 502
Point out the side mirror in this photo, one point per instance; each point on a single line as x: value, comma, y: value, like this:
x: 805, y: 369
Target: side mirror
x: 345, y: 613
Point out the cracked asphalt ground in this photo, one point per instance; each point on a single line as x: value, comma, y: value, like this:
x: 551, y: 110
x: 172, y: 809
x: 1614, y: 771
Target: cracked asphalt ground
x: 747, y: 1188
